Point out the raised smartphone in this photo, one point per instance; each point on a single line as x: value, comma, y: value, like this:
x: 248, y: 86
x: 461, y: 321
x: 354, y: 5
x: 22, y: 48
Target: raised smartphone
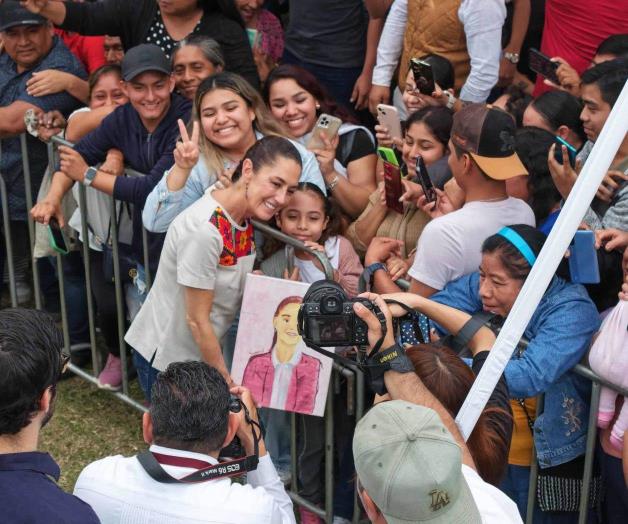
x: 583, y: 263
x: 56, y: 237
x: 423, y: 76
x: 541, y: 64
x: 388, y: 116
x: 392, y: 187
x: 327, y: 125
x: 558, y: 151
x: 425, y: 180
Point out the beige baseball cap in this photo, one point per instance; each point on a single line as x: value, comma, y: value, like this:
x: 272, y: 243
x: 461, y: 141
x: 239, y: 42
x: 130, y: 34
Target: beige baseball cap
x: 411, y: 466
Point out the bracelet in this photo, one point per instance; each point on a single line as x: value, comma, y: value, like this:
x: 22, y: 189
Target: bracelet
x: 333, y: 183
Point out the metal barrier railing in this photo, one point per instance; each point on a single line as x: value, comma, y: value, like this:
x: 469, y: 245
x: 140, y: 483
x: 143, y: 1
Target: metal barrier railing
x: 355, y: 382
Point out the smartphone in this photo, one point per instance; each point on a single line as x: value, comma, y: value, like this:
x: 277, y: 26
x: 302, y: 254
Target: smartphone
x: 392, y: 187
x: 583, y: 263
x: 558, y: 151
x: 388, y: 116
x: 388, y: 154
x: 56, y: 237
x: 425, y: 180
x: 423, y: 76
x: 326, y: 124
x: 541, y: 64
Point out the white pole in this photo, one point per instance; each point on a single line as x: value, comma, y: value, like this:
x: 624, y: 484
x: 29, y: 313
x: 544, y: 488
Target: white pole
x: 571, y: 215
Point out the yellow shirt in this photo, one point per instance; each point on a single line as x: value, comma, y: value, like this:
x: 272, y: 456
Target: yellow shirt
x: 521, y: 443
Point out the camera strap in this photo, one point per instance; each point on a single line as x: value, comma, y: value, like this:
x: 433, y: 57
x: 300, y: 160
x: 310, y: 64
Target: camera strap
x: 152, y: 462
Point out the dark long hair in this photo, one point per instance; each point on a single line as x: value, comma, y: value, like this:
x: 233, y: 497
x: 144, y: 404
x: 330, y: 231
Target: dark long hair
x: 309, y: 82
x: 449, y: 379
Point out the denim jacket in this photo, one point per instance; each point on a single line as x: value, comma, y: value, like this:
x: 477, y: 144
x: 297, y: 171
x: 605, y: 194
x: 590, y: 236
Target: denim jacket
x: 163, y: 205
x: 559, y: 332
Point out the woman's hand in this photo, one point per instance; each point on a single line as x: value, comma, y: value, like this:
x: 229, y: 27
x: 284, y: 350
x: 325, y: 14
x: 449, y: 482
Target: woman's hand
x: 610, y: 185
x: 326, y: 157
x: 186, y: 152
x: 114, y: 163
x: 373, y: 323
x: 384, y: 138
x: 51, y: 123
x: 397, y: 267
x: 34, y: 6
x: 47, y: 82
x: 412, y: 191
x: 441, y: 206
x: 564, y: 176
x: 264, y: 63
x: 43, y: 211
x: 380, y: 249
x: 294, y: 276
x: 72, y: 163
x: 611, y: 239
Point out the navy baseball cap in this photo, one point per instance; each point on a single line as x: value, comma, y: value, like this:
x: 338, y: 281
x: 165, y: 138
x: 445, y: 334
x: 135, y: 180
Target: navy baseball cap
x: 13, y: 14
x: 142, y: 58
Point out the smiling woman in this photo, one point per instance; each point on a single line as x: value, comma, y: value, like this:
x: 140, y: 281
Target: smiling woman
x: 207, y: 253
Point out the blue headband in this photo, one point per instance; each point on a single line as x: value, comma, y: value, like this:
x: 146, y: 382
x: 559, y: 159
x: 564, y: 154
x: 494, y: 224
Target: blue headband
x: 517, y: 240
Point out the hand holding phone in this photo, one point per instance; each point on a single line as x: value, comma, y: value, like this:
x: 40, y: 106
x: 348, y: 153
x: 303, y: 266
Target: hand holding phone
x: 56, y: 237
x: 583, y: 263
x: 328, y: 126
x: 392, y: 187
x: 425, y: 180
x: 543, y: 65
x: 423, y: 76
x: 388, y: 116
x: 558, y: 151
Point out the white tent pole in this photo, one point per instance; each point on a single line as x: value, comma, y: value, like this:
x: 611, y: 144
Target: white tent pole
x: 571, y: 215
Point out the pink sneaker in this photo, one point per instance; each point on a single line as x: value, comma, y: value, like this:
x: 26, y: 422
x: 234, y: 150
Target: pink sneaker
x: 307, y: 517
x: 111, y: 375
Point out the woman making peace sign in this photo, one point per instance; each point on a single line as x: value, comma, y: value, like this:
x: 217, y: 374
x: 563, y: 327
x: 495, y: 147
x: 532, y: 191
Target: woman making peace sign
x: 206, y: 255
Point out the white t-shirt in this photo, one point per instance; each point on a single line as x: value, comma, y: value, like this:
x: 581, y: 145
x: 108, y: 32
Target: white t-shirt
x: 120, y: 491
x: 198, y: 252
x: 494, y: 505
x: 450, y: 246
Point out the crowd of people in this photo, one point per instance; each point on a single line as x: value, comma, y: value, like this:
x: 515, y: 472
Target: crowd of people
x: 199, y: 117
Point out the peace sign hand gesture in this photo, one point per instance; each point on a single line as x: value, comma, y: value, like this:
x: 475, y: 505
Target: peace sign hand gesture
x: 186, y: 152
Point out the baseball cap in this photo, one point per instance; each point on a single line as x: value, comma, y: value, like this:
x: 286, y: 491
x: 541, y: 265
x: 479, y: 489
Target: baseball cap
x: 411, y: 466
x: 142, y: 58
x: 488, y: 135
x: 13, y: 14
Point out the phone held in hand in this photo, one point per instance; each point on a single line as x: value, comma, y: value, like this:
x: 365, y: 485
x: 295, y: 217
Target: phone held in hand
x: 423, y: 76
x: 388, y: 154
x: 392, y: 187
x: 558, y: 151
x: 388, y: 116
x: 583, y: 263
x: 56, y: 237
x: 541, y: 64
x: 425, y: 180
x: 327, y: 125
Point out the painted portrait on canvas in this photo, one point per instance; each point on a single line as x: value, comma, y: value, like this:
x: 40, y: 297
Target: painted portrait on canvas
x: 270, y: 357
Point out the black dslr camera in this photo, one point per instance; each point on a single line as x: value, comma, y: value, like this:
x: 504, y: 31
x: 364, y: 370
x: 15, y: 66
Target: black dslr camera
x: 234, y: 448
x: 326, y: 317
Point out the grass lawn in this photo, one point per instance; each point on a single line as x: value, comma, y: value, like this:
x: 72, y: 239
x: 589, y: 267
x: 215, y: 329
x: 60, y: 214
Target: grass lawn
x: 89, y: 424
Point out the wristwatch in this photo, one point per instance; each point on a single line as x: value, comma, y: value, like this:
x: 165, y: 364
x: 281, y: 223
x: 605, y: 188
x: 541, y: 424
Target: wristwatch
x: 89, y: 176
x: 511, y: 57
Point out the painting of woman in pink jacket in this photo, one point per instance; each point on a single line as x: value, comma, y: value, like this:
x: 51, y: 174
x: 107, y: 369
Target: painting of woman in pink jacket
x: 284, y: 377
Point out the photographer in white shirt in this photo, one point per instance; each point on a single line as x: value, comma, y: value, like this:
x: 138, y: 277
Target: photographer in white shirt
x: 189, y: 422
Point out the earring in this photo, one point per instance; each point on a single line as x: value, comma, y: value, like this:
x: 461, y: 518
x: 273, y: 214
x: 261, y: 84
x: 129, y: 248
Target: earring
x: 318, y: 106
